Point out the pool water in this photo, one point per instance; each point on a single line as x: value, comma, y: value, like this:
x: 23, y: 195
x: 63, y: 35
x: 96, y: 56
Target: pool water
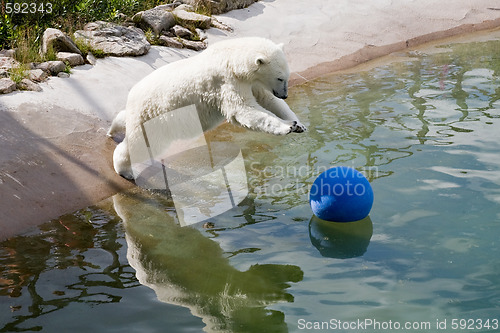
x: 424, y: 129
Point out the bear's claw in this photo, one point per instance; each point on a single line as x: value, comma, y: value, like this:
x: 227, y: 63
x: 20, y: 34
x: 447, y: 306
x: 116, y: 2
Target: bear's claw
x: 297, y: 127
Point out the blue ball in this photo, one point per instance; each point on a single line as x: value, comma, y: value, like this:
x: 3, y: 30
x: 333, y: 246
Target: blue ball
x: 341, y: 194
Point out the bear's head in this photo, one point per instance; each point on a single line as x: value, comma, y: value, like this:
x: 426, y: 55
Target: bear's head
x: 272, y: 71
x: 254, y: 60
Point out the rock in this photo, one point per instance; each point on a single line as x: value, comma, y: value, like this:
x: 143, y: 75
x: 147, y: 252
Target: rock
x: 52, y: 67
x: 37, y: 75
x: 7, y: 86
x: 201, y: 34
x: 63, y: 75
x: 221, y: 26
x: 72, y: 59
x: 220, y: 6
x: 29, y: 85
x: 193, y: 45
x: 114, y: 39
x: 91, y: 59
x: 4, y: 73
x: 58, y: 41
x: 188, y: 18
x: 170, y: 42
x: 8, y: 53
x: 158, y: 19
x: 8, y: 62
x: 182, y: 32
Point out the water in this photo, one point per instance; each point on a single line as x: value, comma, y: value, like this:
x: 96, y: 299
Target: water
x: 424, y: 130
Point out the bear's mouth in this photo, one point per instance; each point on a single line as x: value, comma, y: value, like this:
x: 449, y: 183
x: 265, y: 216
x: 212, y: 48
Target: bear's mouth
x: 279, y: 95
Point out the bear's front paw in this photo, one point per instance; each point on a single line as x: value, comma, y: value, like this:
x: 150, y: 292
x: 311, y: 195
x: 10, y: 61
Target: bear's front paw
x: 299, y: 128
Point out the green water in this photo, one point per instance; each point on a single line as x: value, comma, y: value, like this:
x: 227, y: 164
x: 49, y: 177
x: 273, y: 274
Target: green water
x: 425, y: 130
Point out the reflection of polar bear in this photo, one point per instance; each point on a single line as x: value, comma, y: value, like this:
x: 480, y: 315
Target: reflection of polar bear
x: 188, y: 269
x: 242, y: 80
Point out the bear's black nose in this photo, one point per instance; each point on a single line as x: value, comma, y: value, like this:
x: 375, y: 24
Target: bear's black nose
x: 284, y: 96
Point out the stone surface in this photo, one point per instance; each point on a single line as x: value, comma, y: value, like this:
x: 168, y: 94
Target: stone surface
x: 158, y: 19
x: 170, y: 42
x: 202, y: 34
x: 91, y: 59
x: 182, y: 32
x: 193, y: 45
x: 27, y: 84
x: 220, y: 6
x: 114, y: 39
x: 188, y: 18
x: 72, y: 59
x: 8, y: 62
x: 4, y: 73
x: 63, y: 75
x: 57, y: 40
x: 37, y: 75
x: 52, y: 67
x: 8, y: 53
x: 7, y: 86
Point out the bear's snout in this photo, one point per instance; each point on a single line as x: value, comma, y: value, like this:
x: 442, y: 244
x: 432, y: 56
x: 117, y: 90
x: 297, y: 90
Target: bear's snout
x: 280, y: 95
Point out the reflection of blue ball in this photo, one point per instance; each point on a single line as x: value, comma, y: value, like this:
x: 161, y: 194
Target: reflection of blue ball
x: 341, y: 194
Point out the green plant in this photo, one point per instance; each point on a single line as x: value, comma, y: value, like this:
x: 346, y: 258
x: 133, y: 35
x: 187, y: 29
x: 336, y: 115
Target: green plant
x: 203, y: 7
x: 151, y: 37
x: 18, y: 73
x: 6, y: 31
x: 27, y: 44
x: 67, y: 69
x: 98, y: 53
x: 50, y: 55
x: 83, y: 45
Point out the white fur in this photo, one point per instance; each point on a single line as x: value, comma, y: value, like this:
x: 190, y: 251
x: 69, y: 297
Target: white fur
x: 242, y: 80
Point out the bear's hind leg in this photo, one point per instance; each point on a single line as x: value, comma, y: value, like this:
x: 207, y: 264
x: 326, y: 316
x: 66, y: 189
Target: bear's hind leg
x: 121, y: 160
x: 118, y: 124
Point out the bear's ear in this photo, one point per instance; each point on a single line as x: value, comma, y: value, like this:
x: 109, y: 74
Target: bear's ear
x: 260, y: 60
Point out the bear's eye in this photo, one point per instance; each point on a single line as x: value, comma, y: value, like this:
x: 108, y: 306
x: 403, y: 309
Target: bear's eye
x: 280, y: 80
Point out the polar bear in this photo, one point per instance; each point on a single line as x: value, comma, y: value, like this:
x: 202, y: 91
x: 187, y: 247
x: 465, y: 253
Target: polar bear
x: 243, y: 81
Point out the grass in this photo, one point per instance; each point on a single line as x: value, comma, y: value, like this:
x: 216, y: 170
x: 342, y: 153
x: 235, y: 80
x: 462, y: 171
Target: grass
x: 27, y: 46
x: 18, y: 73
x: 85, y: 47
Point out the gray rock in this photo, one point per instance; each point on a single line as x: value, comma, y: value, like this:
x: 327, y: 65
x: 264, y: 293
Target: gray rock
x: 8, y: 62
x: 63, y: 75
x: 8, y: 53
x: 91, y: 59
x: 4, y: 73
x: 170, y: 42
x: 220, y: 6
x: 27, y: 84
x: 188, y: 18
x: 58, y: 41
x: 37, y: 75
x: 193, y: 45
x: 52, y: 67
x: 201, y: 34
x: 158, y: 19
x: 7, y: 86
x: 182, y: 32
x: 221, y: 26
x: 72, y: 59
x: 114, y: 39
